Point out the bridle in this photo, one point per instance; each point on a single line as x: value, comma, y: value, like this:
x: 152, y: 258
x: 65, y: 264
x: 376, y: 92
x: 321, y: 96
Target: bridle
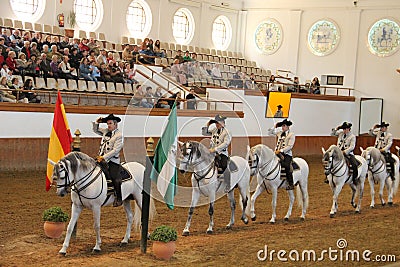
x: 197, y: 176
x: 261, y: 169
x: 371, y: 166
x: 332, y: 169
x: 76, y: 186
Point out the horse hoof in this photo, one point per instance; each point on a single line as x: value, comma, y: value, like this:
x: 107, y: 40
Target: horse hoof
x: 372, y: 206
x: 209, y: 232
x: 358, y: 212
x: 302, y: 219
x: 332, y: 215
x: 354, y: 205
x: 253, y: 218
x: 62, y: 253
x: 96, y: 250
x: 185, y: 233
x: 286, y: 219
x: 228, y: 227
x: 390, y: 204
x: 245, y: 221
x: 123, y: 244
x: 271, y: 222
x: 383, y: 204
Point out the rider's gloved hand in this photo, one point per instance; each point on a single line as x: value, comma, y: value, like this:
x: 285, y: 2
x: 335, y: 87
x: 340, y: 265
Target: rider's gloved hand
x: 212, y: 150
x: 99, y: 159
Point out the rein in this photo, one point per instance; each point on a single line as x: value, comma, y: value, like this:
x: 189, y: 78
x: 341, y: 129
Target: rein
x: 379, y: 170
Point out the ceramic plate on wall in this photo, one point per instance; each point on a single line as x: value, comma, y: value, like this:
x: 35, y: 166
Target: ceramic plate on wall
x: 268, y: 36
x: 323, y: 37
x: 384, y: 37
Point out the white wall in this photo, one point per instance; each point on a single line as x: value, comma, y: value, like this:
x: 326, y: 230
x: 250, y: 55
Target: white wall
x: 310, y: 118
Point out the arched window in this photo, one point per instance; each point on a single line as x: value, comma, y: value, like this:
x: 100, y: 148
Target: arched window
x: 32, y: 9
x: 183, y: 26
x: 222, y: 33
x: 89, y: 14
x: 139, y: 18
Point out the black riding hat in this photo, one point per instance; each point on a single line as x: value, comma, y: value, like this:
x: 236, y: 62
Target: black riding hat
x: 279, y: 106
x: 284, y: 122
x: 345, y: 125
x: 218, y: 118
x: 111, y: 117
x: 383, y: 124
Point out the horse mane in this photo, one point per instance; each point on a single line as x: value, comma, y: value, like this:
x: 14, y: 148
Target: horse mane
x: 79, y: 159
x: 376, y: 155
x: 336, y: 152
x: 262, y: 151
x: 200, y: 150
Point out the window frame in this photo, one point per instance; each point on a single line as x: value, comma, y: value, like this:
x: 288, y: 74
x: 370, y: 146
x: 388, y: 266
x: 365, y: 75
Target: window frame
x: 97, y: 19
x: 38, y: 13
x: 190, y: 25
x: 148, y: 17
x: 227, y: 32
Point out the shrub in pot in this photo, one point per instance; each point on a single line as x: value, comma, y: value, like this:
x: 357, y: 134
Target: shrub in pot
x: 164, y: 238
x: 54, y: 222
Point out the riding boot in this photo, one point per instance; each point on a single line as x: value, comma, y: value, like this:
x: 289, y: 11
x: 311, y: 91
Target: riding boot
x: 117, y: 189
x: 392, y: 170
x: 227, y: 180
x: 289, y: 179
x: 326, y: 180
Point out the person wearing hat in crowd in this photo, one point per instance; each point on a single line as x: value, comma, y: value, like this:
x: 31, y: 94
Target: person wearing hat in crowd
x: 346, y: 142
x: 220, y: 141
x: 110, y: 147
x: 383, y: 142
x: 284, y: 146
x: 279, y: 112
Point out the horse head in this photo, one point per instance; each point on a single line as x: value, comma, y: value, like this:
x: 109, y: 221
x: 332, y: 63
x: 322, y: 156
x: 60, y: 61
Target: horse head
x: 190, y: 152
x: 333, y: 154
x: 258, y: 155
x: 61, y: 178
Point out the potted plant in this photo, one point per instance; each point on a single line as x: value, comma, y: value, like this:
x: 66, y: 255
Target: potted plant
x: 54, y: 222
x: 164, y: 238
x: 71, y: 19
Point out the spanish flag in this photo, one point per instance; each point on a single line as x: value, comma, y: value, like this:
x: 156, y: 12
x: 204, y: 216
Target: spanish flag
x: 60, y: 139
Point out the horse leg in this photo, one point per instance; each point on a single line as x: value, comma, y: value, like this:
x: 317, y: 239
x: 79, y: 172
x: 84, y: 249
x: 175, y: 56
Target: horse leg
x: 381, y: 187
x: 96, y: 218
x: 259, y: 190
x: 195, y: 198
x: 353, y: 195
x: 390, y: 188
x: 360, y: 188
x: 291, y: 200
x: 211, y: 212
x: 129, y: 221
x: 336, y: 192
x: 273, y: 202
x: 75, y: 212
x: 245, y: 199
x: 304, y: 194
x: 372, y: 188
x: 232, y: 202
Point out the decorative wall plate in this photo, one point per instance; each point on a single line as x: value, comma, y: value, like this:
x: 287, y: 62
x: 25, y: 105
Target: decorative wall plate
x: 268, y: 36
x: 384, y: 37
x: 323, y: 37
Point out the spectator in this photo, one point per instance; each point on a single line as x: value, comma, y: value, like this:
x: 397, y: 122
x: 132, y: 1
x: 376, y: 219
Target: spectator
x: 130, y: 73
x: 93, y: 46
x: 5, y: 71
x: 64, y: 43
x: 33, y: 67
x: 26, y: 49
x: 22, y: 63
x: 95, y: 72
x: 17, y: 92
x: 45, y: 66
x: 191, y: 100
x: 85, y: 70
x: 179, y: 56
x: 34, y: 50
x: 102, y: 58
x: 74, y: 58
x: 296, y: 85
x: 251, y: 82
x: 5, y: 95
x: 315, y: 86
x: 157, y: 49
x: 32, y: 96
x: 187, y: 57
x: 148, y: 98
x: 160, y: 103
x: 236, y: 80
x: 67, y: 71
x: 12, y: 63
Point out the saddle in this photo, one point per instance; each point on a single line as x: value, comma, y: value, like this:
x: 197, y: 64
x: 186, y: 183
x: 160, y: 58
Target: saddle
x: 125, y: 176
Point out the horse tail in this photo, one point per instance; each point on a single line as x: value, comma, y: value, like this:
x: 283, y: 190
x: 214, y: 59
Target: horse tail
x: 137, y: 217
x: 248, y: 206
x: 301, y: 197
x: 396, y: 176
x: 301, y: 189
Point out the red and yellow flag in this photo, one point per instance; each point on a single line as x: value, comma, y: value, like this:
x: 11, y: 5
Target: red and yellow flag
x: 60, y: 139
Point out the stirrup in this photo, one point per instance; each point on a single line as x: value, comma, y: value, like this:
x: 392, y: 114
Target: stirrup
x: 326, y: 181
x: 117, y: 203
x: 290, y: 187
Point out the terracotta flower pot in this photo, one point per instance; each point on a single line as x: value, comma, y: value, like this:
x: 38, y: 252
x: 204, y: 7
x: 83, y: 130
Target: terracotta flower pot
x: 164, y: 250
x: 53, y: 229
x: 69, y: 32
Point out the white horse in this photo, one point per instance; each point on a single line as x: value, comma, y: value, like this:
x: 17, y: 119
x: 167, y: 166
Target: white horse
x: 195, y: 157
x: 377, y: 173
x: 338, y: 174
x: 79, y: 173
x: 265, y: 164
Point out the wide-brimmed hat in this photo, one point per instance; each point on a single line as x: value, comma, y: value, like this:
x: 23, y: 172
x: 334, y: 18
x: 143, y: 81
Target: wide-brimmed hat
x: 279, y: 106
x: 383, y: 124
x: 345, y: 125
x: 110, y: 117
x: 284, y: 122
x: 218, y: 118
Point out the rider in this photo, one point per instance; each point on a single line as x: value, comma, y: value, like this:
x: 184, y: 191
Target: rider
x: 283, y: 149
x: 110, y: 146
x: 220, y: 141
x: 347, y: 142
x: 383, y: 142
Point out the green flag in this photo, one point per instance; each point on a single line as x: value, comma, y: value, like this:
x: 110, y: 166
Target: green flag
x: 164, y: 173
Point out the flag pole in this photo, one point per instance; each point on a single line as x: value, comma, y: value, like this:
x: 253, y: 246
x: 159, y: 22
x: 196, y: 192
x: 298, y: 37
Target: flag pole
x: 76, y: 146
x: 146, y: 194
